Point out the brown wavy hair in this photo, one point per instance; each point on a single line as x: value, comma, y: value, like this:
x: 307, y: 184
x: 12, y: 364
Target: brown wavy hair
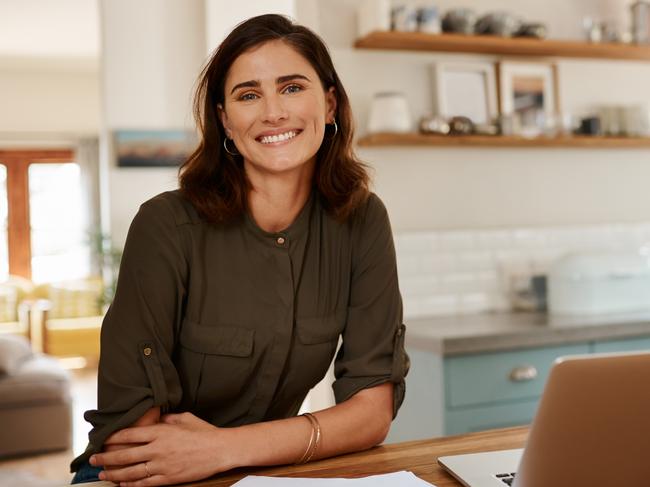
x: 215, y: 182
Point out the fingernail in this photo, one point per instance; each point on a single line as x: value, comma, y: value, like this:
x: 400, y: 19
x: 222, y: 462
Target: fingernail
x: 102, y: 476
x: 92, y: 460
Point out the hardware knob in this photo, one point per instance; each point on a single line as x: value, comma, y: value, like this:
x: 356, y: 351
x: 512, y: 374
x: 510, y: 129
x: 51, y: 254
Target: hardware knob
x: 523, y: 373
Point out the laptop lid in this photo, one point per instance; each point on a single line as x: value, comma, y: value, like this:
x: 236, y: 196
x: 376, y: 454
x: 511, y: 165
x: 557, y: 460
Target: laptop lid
x: 592, y: 426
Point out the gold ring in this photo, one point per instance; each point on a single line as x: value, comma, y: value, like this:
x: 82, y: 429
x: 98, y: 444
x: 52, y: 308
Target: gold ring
x: 146, y: 469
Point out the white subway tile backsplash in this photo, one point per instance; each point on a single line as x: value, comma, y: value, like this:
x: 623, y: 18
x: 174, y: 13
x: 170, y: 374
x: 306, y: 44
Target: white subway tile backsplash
x: 474, y: 303
x: 411, y: 305
x: 415, y: 243
x: 458, y: 282
x: 438, y: 263
x: 513, y: 261
x: 488, y: 280
x: 408, y: 264
x: 525, y: 239
x: 466, y: 271
x: 442, y: 304
x: 493, y: 239
x: 542, y: 260
x: 475, y: 261
x: 456, y: 240
x: 420, y: 286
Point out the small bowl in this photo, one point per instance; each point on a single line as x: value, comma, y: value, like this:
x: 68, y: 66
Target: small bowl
x: 498, y: 23
x: 459, y: 20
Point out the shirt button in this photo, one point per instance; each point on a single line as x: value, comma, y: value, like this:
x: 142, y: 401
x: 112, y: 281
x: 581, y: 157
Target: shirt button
x: 147, y: 351
x: 280, y: 240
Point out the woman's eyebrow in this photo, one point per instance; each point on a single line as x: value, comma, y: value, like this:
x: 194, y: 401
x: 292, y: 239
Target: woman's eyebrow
x: 290, y: 77
x: 279, y: 80
x: 245, y: 84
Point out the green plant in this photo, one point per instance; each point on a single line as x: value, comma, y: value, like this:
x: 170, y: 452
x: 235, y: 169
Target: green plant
x: 106, y: 261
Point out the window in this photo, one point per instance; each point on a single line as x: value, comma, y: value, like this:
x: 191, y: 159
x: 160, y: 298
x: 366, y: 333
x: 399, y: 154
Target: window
x: 42, y: 232
x: 59, y: 244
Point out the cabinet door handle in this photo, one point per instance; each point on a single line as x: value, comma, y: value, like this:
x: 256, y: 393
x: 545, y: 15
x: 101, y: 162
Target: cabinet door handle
x: 523, y: 373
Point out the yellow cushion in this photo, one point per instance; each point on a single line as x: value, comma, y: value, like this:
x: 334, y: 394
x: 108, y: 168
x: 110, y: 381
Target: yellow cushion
x: 72, y: 299
x: 12, y: 292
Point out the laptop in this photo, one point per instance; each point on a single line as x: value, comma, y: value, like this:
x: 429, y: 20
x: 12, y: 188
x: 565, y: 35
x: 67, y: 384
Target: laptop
x: 592, y: 428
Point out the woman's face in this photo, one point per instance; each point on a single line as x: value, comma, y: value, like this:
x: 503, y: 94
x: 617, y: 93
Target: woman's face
x: 275, y: 108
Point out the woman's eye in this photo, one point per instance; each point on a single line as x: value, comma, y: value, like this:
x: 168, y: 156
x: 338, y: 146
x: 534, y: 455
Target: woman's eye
x: 293, y: 89
x: 248, y: 96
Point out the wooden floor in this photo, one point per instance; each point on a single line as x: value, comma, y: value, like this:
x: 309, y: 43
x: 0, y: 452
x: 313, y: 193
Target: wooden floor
x: 51, y: 470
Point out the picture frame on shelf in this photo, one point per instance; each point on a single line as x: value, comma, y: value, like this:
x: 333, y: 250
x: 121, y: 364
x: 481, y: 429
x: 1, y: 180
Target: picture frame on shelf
x: 528, y: 97
x: 465, y: 89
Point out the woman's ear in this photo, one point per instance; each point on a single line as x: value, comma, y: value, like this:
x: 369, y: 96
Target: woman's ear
x: 224, y: 119
x: 330, y: 103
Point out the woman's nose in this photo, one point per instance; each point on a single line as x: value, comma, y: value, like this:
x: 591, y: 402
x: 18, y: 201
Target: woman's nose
x: 274, y: 109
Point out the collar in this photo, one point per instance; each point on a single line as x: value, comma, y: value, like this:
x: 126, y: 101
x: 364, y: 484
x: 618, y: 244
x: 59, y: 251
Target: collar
x: 295, y: 230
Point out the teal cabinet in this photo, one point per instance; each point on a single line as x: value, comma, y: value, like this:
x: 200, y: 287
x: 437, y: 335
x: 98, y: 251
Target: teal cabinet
x: 448, y: 395
x: 493, y: 378
x: 465, y: 420
x: 624, y: 345
x: 495, y: 390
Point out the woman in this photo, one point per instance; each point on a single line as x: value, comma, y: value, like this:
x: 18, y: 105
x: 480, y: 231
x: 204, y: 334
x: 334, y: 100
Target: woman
x: 234, y: 290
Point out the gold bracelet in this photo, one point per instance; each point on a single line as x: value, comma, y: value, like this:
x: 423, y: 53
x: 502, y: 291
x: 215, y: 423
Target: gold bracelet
x: 309, y: 446
x: 316, y: 428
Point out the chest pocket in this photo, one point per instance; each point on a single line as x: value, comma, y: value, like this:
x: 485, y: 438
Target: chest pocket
x: 216, y: 362
x: 317, y: 340
x: 325, y: 329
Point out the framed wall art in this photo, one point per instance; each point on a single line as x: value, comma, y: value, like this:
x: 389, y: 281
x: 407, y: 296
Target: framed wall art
x: 465, y: 89
x: 153, y: 148
x: 528, y: 96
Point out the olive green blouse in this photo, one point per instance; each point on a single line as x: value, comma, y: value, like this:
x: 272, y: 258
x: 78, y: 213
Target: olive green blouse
x: 236, y: 325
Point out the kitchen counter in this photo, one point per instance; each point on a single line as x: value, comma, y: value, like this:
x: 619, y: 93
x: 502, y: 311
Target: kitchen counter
x: 462, y: 334
x: 484, y: 371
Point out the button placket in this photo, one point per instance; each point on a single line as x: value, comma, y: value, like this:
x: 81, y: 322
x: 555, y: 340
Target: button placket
x: 282, y: 241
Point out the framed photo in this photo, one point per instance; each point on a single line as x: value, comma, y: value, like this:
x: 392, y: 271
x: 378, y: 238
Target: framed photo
x: 465, y: 89
x: 528, y: 96
x: 153, y: 148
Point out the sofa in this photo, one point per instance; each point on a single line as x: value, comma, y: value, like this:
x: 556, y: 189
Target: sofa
x: 62, y: 319
x: 35, y: 400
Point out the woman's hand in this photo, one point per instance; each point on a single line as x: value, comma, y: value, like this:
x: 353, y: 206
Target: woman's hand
x: 150, y: 417
x: 181, y: 448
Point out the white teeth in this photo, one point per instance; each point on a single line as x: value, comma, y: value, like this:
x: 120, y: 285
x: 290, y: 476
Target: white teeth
x: 269, y: 139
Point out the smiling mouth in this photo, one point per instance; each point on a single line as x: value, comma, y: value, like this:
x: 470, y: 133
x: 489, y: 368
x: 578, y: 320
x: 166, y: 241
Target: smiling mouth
x: 276, y: 139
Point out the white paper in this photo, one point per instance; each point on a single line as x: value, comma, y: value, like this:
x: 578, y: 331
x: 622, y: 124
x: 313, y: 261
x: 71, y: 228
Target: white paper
x: 401, y: 479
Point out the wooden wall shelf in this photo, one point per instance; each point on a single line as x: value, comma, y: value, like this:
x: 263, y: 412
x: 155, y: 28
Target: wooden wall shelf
x: 417, y: 41
x: 430, y: 140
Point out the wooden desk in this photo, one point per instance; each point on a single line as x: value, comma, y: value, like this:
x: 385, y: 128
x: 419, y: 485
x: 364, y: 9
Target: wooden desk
x: 420, y: 457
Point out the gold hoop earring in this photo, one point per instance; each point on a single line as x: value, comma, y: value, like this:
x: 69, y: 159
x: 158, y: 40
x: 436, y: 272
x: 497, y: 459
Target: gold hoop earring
x: 225, y: 147
x: 336, y: 129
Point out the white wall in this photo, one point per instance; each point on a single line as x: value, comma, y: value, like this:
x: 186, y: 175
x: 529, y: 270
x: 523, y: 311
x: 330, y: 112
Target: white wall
x: 427, y: 189
x: 152, y: 53
x: 49, y: 84
x: 222, y: 16
x: 38, y: 28
x: 465, y: 188
x: 40, y: 98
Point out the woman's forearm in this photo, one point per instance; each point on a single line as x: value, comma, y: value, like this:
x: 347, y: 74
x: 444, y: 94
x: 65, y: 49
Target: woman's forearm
x: 356, y: 424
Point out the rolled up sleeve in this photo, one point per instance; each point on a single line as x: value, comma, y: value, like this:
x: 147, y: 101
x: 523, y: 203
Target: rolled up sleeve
x: 372, y: 351
x: 139, y: 331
